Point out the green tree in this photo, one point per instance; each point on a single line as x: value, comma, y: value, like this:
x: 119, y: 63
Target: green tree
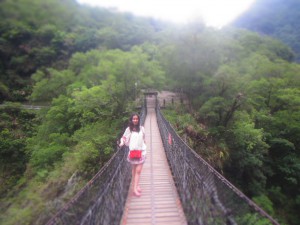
x: 248, y: 150
x: 16, y: 125
x: 191, y: 57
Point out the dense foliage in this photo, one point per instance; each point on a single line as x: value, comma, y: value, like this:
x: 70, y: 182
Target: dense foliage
x: 277, y: 18
x: 79, y: 63
x: 89, y: 65
x: 38, y: 34
x: 90, y: 100
x: 245, y: 100
x: 16, y: 126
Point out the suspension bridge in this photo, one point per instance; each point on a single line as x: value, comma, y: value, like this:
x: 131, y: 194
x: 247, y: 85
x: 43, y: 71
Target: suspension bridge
x: 178, y: 187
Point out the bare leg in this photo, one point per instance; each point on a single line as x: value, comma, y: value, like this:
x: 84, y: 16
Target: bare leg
x: 137, y: 175
x: 133, y: 176
x: 139, y: 189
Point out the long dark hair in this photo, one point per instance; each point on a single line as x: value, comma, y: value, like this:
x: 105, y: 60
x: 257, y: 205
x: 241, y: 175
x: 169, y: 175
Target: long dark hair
x: 133, y: 127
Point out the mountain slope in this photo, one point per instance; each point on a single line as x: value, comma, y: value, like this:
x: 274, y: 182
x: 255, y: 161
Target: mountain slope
x: 277, y: 18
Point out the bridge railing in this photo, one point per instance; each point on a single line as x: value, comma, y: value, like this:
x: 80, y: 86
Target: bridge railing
x: 102, y: 199
x: 207, y: 197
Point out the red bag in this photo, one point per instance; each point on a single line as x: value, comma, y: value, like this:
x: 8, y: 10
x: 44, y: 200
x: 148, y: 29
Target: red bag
x: 135, y: 154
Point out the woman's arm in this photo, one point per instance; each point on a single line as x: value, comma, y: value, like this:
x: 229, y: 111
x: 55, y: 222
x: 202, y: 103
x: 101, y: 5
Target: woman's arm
x: 125, y: 137
x: 144, y: 135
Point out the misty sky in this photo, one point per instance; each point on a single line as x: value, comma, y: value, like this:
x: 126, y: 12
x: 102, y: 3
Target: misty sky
x: 215, y: 13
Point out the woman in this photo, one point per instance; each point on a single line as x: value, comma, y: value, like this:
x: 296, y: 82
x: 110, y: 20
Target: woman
x: 134, y: 137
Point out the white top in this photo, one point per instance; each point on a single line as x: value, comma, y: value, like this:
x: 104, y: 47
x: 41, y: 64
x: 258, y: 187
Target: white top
x: 135, y: 140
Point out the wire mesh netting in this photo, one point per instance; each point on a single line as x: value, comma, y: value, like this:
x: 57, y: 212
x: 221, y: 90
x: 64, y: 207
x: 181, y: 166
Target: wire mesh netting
x: 207, y: 197
x: 106, y: 191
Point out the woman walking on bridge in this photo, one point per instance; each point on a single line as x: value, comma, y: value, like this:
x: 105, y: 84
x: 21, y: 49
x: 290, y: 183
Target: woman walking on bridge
x: 134, y: 137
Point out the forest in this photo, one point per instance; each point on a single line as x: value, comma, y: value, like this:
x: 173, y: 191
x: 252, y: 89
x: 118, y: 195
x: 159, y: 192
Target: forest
x: 86, y: 67
x: 281, y: 25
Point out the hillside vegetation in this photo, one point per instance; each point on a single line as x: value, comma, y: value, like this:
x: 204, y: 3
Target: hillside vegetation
x: 88, y: 65
x: 276, y: 18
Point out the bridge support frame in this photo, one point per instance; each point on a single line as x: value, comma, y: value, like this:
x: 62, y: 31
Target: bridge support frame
x: 151, y: 94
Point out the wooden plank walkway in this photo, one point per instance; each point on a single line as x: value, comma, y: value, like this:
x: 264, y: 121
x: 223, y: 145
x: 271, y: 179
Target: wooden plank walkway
x: 159, y: 203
